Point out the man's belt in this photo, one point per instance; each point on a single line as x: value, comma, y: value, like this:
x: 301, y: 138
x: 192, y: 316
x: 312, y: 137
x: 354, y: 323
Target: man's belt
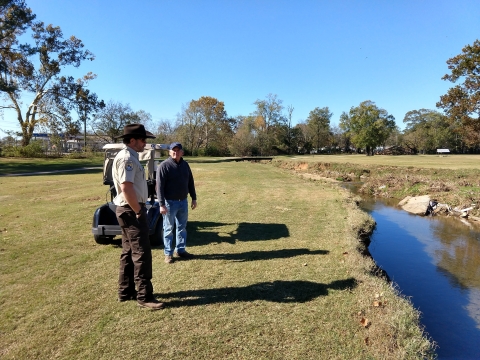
x: 128, y: 206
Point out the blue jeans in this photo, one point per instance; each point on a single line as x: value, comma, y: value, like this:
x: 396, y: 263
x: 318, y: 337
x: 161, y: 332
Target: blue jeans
x: 177, y: 213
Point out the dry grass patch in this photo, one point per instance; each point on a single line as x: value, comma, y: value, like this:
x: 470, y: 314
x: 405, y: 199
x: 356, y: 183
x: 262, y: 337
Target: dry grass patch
x: 420, y: 161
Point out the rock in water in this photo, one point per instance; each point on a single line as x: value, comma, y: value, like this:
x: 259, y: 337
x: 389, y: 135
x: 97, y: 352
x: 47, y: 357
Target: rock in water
x: 415, y: 204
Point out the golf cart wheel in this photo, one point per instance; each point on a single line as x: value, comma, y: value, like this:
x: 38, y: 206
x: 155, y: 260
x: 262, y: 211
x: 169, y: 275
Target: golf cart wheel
x: 156, y: 239
x: 100, y: 239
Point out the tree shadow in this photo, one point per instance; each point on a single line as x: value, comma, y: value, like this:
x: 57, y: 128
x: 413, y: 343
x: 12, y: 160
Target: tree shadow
x: 54, y: 170
x: 261, y: 255
x: 275, y: 291
x: 203, y: 160
x: 203, y: 233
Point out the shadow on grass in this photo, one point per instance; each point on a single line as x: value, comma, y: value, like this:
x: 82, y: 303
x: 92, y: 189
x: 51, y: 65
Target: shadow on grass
x: 192, y: 160
x: 203, y: 233
x: 59, y: 171
x: 276, y: 291
x: 261, y: 255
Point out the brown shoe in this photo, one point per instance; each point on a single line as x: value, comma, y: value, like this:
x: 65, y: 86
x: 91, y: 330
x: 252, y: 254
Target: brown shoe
x: 184, y: 255
x: 169, y: 259
x: 152, y: 304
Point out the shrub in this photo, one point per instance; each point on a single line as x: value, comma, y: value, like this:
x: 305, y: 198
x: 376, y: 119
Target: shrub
x: 32, y: 150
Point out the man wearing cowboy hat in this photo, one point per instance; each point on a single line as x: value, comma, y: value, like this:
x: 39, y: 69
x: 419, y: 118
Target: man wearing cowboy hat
x: 132, y: 193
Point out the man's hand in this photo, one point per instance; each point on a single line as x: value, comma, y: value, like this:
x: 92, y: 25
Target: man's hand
x: 163, y: 210
x: 131, y: 197
x: 194, y: 204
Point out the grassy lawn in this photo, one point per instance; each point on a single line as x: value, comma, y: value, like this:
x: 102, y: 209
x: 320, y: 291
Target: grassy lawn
x: 277, y: 275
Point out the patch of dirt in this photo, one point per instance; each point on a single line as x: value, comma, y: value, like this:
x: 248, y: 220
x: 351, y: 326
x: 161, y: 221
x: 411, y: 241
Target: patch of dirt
x: 316, y: 177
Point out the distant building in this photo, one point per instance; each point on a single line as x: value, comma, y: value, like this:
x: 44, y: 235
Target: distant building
x: 73, y: 143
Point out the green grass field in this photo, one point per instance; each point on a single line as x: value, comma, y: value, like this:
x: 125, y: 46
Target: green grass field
x: 277, y: 275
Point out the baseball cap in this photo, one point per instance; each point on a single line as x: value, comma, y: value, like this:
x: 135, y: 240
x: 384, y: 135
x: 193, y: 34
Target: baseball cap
x: 176, y: 144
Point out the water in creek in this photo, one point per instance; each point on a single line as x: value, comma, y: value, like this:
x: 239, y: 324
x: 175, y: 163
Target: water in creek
x: 436, y: 262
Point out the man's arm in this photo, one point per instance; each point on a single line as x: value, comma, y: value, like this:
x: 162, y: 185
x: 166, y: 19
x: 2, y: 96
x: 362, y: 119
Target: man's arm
x: 130, y: 196
x: 191, y: 184
x: 191, y: 188
x: 160, y: 187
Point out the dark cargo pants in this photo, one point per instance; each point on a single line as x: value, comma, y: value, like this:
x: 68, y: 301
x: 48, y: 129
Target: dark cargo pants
x: 136, y: 257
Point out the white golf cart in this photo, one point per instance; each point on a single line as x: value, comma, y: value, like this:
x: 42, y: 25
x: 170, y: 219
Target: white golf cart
x: 105, y: 225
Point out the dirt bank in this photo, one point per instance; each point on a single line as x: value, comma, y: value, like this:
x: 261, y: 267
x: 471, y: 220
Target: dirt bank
x: 457, y: 187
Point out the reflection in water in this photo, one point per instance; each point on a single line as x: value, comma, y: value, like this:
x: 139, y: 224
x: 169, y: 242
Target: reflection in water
x: 436, y: 262
x: 460, y: 253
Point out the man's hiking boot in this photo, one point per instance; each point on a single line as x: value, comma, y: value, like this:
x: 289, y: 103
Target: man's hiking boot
x: 152, y: 304
x: 169, y: 259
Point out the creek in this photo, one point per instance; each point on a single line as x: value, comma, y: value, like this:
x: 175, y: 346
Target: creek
x: 434, y: 261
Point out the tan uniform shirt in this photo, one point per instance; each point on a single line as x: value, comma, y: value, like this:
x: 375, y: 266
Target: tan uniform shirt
x: 127, y: 168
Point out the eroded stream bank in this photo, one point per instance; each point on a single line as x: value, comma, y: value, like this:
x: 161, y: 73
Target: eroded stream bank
x: 457, y: 187
x: 435, y: 261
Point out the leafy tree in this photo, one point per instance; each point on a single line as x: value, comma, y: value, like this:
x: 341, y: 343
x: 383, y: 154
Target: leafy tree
x: 214, y: 114
x: 337, y: 136
x: 368, y: 125
x: 42, y: 76
x: 243, y: 142
x: 165, y: 132
x: 270, y: 121
x: 462, y: 102
x: 204, y: 126
x: 110, y: 120
x: 15, y: 18
x: 69, y: 94
x: 188, y: 128
x: 395, y: 138
x: 304, y: 142
x: 319, y: 123
x: 427, y: 130
x: 143, y: 117
x: 343, y: 133
x: 56, y: 119
x: 8, y: 141
x: 291, y: 135
x: 270, y: 110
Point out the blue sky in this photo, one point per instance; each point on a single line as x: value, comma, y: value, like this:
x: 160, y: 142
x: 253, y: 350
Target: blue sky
x: 159, y: 55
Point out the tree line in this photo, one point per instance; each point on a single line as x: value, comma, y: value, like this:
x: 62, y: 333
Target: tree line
x: 63, y: 104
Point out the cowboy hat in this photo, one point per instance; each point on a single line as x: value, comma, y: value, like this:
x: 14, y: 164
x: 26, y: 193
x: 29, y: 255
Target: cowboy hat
x: 136, y: 131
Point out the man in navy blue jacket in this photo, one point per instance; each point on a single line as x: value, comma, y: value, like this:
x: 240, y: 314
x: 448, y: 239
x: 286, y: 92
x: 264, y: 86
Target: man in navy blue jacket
x: 174, y: 183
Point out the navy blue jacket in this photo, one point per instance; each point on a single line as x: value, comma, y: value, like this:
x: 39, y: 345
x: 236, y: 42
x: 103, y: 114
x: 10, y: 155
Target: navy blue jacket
x: 174, y: 181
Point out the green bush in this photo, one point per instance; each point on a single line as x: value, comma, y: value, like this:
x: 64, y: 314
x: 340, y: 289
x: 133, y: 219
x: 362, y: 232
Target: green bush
x: 32, y: 150
x: 212, y: 151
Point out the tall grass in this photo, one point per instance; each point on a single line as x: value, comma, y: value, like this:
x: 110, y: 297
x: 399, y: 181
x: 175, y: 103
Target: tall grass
x: 277, y: 275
